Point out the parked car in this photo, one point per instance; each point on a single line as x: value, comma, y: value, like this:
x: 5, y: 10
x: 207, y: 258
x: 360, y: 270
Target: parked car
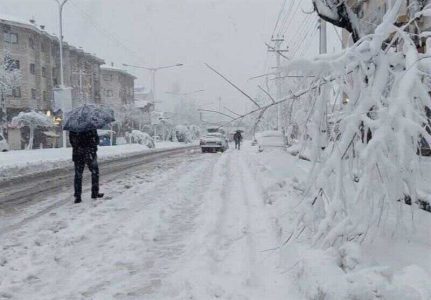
x: 4, y: 146
x: 105, y: 137
x: 214, y: 142
x: 271, y: 139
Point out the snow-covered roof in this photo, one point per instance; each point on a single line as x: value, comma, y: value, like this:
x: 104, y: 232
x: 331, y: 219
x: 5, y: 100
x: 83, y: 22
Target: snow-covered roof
x: 19, y: 22
x: 142, y: 103
x: 118, y: 70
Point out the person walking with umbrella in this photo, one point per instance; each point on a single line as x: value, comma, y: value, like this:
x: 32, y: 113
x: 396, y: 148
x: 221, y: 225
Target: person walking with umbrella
x: 82, y: 124
x: 84, y: 146
x: 237, y: 137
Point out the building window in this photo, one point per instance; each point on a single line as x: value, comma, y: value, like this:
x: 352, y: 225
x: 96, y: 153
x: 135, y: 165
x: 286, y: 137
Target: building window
x: 107, y: 77
x: 33, y: 94
x: 44, y: 72
x: 33, y: 69
x: 45, y: 96
x: 43, y: 47
x: 15, y: 92
x: 11, y: 38
x: 109, y: 93
x: 11, y: 64
x: 31, y: 43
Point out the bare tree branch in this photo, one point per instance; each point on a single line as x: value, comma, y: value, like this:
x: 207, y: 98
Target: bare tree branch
x: 216, y: 112
x: 232, y: 84
x: 267, y: 93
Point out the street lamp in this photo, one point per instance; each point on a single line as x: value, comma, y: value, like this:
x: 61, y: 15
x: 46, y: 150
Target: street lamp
x: 185, y: 94
x: 60, y: 37
x: 62, y: 93
x: 153, y: 71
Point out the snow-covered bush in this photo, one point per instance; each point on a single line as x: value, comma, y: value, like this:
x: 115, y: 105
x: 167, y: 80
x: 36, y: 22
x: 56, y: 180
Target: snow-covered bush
x: 32, y: 120
x: 183, y: 134
x: 139, y: 137
x: 372, y: 164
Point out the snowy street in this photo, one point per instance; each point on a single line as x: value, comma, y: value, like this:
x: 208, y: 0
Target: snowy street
x: 184, y: 227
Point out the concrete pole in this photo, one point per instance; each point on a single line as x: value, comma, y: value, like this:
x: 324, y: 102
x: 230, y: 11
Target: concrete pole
x: 278, y: 82
x: 323, y: 48
x: 153, y: 82
x: 60, y: 38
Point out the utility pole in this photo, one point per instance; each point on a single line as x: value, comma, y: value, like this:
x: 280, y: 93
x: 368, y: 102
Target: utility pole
x: 219, y: 104
x: 323, y: 49
x: 276, y: 48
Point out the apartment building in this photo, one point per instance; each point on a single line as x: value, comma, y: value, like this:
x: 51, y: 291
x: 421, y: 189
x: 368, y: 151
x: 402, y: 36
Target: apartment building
x: 30, y: 48
x: 117, y: 87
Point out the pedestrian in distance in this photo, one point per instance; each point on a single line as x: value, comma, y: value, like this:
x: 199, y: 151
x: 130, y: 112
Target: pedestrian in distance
x: 237, y: 137
x: 84, y: 146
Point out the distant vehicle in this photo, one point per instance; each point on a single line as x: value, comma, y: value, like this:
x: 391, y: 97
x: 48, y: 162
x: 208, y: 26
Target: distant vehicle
x: 271, y: 139
x: 214, y: 142
x: 105, y: 137
x: 4, y: 146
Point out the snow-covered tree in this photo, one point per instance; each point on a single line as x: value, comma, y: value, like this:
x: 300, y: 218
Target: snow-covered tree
x: 378, y: 116
x: 32, y: 120
x: 351, y: 16
x: 10, y: 78
x: 139, y: 137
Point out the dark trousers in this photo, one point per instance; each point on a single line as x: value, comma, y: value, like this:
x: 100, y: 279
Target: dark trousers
x: 237, y: 145
x: 80, y: 163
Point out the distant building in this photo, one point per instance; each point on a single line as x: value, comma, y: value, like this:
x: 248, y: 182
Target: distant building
x: 117, y: 87
x: 144, y: 102
x: 117, y: 90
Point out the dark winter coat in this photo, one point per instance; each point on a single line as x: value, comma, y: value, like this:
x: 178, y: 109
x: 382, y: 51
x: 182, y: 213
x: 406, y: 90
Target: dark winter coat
x: 237, y: 137
x: 84, y: 144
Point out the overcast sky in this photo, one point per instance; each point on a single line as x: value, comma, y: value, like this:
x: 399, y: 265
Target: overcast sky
x: 230, y: 35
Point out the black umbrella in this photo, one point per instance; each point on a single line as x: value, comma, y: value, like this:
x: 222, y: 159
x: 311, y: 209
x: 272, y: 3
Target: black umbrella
x: 88, y: 117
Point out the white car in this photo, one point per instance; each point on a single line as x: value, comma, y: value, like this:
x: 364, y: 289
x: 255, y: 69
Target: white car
x: 271, y: 139
x: 4, y: 146
x: 214, y: 142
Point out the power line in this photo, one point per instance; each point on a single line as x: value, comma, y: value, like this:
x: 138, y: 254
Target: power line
x: 279, y: 16
x: 289, y: 21
x: 111, y: 36
x: 288, y: 14
x: 304, y: 27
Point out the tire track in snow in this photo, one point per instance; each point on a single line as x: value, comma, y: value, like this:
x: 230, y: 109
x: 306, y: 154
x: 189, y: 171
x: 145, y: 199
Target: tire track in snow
x: 233, y: 264
x: 78, y: 253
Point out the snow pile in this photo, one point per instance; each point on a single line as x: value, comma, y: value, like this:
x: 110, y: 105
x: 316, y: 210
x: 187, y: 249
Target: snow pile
x: 140, y: 137
x: 386, y: 265
x: 339, y: 274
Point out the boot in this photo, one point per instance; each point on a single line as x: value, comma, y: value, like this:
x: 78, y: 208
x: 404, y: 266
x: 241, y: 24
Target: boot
x: 78, y: 199
x: 97, y: 195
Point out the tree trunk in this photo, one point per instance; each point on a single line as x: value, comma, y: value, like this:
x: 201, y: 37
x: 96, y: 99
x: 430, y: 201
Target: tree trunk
x: 30, y: 142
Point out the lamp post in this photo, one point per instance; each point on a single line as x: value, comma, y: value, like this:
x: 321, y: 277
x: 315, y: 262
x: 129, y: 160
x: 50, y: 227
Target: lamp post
x: 60, y: 37
x: 153, y: 71
x: 62, y: 94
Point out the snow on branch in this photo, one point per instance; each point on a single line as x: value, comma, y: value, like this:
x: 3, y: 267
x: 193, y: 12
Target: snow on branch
x: 371, y: 165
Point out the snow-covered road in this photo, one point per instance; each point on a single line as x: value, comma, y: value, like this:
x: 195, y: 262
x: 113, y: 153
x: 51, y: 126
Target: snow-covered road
x: 192, y: 227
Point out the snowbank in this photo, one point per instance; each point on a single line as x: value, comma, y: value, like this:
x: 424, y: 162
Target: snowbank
x: 23, y: 162
x: 392, y: 262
